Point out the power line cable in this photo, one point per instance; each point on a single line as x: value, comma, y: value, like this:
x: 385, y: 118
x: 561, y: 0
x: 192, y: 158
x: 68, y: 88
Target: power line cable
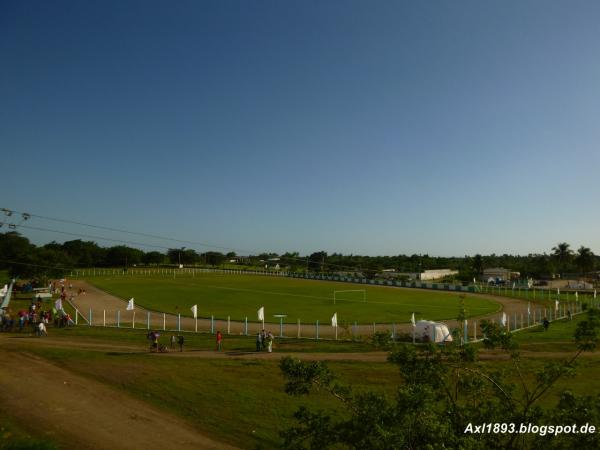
x: 6, y: 261
x: 27, y: 216
x: 119, y: 230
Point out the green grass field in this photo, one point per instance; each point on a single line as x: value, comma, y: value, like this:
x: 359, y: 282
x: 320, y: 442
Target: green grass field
x: 241, y: 401
x: 239, y: 296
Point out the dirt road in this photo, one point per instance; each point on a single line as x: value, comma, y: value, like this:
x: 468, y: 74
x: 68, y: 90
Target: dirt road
x: 77, y: 412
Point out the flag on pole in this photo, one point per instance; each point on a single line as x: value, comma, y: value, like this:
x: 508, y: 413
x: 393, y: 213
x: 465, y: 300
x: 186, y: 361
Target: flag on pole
x: 503, y: 321
x: 412, y: 319
x: 130, y: 305
x: 556, y: 303
x: 334, y: 320
x: 4, y: 290
x: 261, y: 313
x: 195, y: 311
x: 58, y: 304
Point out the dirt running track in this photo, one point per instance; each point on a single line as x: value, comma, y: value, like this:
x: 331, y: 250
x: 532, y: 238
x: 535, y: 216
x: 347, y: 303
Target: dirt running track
x: 77, y: 412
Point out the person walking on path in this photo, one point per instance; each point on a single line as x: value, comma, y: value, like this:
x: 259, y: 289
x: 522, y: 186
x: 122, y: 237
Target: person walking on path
x: 263, y: 339
x: 172, y: 341
x: 545, y: 324
x: 269, y: 342
x: 42, y: 330
x: 258, y: 342
x: 219, y: 341
x: 180, y: 341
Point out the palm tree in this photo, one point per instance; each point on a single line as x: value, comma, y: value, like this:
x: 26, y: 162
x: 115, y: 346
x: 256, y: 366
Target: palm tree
x: 562, y: 253
x: 584, y: 259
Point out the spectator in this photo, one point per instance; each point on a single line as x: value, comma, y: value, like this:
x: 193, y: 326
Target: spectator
x: 269, y: 342
x: 258, y: 342
x: 219, y: 341
x: 545, y: 324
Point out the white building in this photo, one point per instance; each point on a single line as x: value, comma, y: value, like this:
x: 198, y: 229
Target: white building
x: 436, y: 274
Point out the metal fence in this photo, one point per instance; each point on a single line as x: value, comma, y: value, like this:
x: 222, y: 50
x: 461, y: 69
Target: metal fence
x: 148, y: 320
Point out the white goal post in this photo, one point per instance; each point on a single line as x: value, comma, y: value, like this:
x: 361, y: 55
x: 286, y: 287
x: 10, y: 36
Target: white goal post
x: 364, y: 291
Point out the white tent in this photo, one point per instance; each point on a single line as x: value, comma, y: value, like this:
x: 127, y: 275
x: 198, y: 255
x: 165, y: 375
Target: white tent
x: 426, y: 330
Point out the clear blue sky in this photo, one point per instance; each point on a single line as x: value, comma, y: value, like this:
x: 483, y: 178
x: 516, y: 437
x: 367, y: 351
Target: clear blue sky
x: 440, y: 127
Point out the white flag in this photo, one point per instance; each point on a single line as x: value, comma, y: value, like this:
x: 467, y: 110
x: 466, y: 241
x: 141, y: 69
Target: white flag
x: 334, y: 320
x: 503, y: 320
x: 261, y: 313
x: 130, y: 305
x: 195, y: 311
x: 58, y: 304
x: 4, y: 290
x: 556, y: 303
x: 412, y: 319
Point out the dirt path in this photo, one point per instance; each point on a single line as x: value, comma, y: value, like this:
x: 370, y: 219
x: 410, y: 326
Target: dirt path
x: 23, y: 343
x: 108, y: 309
x: 81, y: 413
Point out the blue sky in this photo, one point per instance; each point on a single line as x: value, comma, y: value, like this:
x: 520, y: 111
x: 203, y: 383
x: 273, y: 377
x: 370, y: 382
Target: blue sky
x: 440, y: 127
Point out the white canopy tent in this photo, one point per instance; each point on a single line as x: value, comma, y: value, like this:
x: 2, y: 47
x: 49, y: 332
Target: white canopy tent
x: 427, y: 330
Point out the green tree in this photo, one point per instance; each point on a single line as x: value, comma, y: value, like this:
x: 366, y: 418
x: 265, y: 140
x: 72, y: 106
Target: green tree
x: 478, y: 265
x: 121, y: 255
x: 562, y: 254
x: 441, y: 391
x: 316, y: 261
x: 213, y: 258
x: 85, y: 253
x: 154, y: 258
x: 584, y: 259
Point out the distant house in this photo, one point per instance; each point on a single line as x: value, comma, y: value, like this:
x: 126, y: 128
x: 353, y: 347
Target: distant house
x: 427, y: 275
x: 436, y: 274
x: 391, y: 274
x: 499, y: 273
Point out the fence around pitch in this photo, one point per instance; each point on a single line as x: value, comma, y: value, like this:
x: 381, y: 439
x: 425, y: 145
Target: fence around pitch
x: 345, y: 331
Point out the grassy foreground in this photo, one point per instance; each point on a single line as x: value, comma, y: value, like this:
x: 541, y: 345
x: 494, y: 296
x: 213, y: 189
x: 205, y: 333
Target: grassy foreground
x: 239, y: 296
x: 241, y: 401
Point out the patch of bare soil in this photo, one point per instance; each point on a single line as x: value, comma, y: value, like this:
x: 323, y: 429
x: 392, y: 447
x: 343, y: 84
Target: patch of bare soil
x: 77, y: 412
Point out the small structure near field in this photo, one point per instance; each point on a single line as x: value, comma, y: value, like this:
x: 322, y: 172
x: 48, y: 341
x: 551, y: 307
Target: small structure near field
x: 429, y: 331
x: 499, y: 275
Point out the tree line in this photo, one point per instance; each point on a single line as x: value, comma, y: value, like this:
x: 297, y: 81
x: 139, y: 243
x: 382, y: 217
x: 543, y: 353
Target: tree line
x: 21, y: 257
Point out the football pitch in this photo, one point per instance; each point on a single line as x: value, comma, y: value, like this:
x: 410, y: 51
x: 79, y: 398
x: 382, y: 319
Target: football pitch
x: 240, y: 296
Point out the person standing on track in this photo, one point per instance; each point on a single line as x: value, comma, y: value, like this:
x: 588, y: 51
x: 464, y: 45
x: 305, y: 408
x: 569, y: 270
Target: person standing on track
x: 219, y: 341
